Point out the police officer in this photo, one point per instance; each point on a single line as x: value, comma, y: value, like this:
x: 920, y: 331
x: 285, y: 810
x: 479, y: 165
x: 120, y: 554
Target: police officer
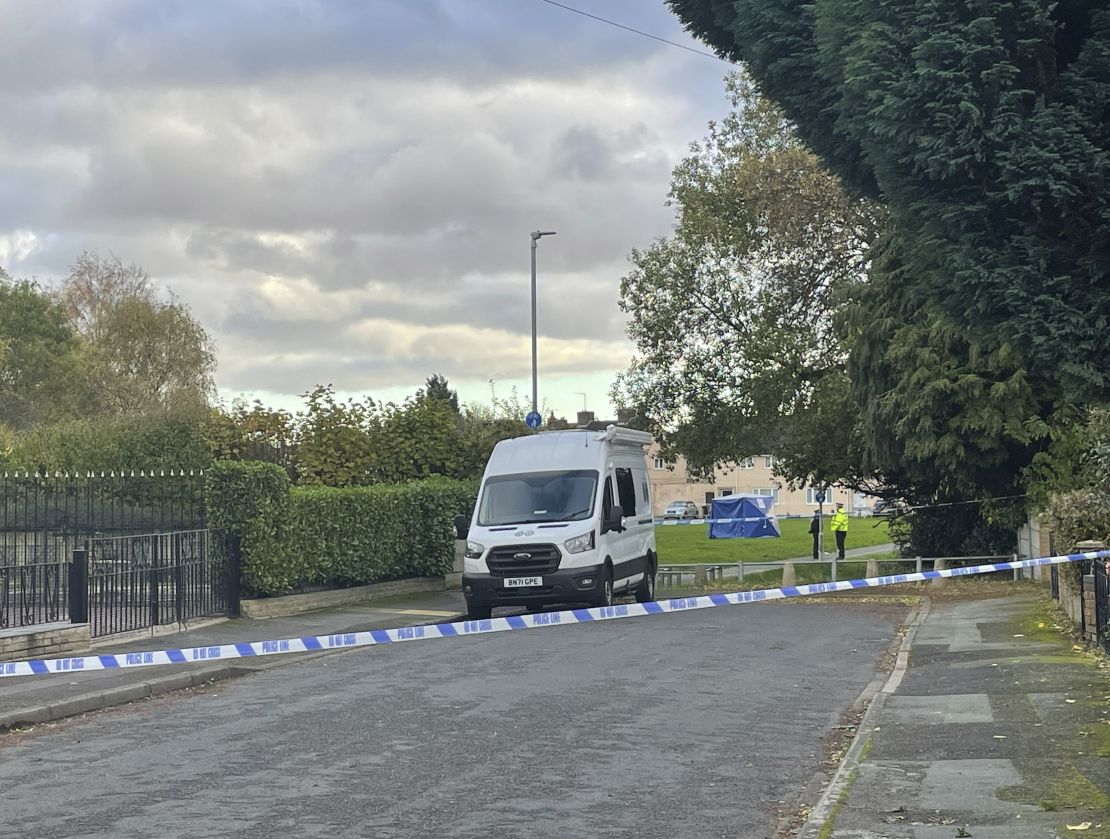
x: 840, y: 528
x: 815, y: 530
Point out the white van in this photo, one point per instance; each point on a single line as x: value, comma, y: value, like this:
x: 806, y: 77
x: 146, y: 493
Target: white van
x: 562, y: 517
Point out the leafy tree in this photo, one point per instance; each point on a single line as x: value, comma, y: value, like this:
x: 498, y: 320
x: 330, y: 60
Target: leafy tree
x: 339, y: 443
x: 983, y: 132
x: 141, y: 352
x: 436, y: 388
x: 251, y: 431
x: 419, y: 439
x: 733, y: 315
x: 39, y: 365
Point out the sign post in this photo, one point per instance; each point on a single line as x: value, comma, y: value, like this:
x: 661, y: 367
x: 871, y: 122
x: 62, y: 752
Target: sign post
x: 820, y: 496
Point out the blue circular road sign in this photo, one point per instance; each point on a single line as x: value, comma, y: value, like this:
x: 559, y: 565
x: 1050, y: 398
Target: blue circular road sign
x: 533, y: 420
x: 820, y: 496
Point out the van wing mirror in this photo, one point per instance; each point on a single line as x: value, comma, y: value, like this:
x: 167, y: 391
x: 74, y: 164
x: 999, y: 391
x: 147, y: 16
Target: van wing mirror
x: 462, y: 527
x: 615, y: 520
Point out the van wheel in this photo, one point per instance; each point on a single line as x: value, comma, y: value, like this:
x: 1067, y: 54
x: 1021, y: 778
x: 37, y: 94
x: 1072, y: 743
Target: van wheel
x: 605, y: 597
x: 476, y: 612
x: 645, y: 591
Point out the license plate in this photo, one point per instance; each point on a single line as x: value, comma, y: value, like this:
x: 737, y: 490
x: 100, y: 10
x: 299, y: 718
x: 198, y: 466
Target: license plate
x: 523, y: 582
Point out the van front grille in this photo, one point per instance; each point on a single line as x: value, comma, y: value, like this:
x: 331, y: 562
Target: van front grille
x: 523, y: 560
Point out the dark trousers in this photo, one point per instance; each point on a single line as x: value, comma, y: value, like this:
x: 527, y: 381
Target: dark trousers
x: 840, y: 536
x: 815, y: 546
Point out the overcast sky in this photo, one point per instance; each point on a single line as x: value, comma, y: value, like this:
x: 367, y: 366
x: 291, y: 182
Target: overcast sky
x: 342, y: 190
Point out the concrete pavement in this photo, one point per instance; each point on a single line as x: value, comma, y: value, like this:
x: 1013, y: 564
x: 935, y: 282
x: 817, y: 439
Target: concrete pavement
x: 995, y: 726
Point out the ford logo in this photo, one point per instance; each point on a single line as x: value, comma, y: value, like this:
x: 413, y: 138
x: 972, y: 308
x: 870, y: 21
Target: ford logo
x: 522, y: 556
x: 523, y: 533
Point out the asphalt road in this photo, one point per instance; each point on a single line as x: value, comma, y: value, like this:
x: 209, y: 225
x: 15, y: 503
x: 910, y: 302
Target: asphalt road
x: 684, y: 725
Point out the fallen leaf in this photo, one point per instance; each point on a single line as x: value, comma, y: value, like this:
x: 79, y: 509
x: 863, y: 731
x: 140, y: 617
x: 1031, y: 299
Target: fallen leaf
x: 1000, y: 737
x: 1070, y: 701
x: 1019, y: 636
x: 1083, y: 826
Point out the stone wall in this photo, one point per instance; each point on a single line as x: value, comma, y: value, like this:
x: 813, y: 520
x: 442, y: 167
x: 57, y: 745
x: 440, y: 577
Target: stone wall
x: 49, y: 640
x: 294, y: 604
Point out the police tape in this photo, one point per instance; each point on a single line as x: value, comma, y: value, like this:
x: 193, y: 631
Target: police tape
x: 713, y: 521
x: 375, y: 637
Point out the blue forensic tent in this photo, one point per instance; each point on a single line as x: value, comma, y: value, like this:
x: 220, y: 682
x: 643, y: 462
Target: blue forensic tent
x: 742, y: 517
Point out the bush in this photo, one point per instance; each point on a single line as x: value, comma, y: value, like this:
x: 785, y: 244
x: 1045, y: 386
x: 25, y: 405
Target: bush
x: 149, y: 442
x: 251, y: 500
x: 359, y: 535
x: 1077, y: 516
x: 337, y: 537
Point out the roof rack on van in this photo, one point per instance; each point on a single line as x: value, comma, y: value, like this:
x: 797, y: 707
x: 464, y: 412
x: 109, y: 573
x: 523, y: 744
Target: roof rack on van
x: 620, y: 434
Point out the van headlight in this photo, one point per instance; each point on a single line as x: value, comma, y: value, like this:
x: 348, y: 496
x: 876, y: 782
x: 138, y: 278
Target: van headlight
x: 578, y: 544
x: 474, y: 550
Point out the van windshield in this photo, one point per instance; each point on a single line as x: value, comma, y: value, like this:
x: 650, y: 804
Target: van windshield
x: 538, y: 497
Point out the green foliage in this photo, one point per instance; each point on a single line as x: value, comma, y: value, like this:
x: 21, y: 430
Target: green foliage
x: 1078, y: 510
x: 982, y: 132
x: 360, y: 535
x: 149, y: 442
x: 332, y: 536
x: 140, y: 351
x: 964, y: 530
x: 733, y: 316
x: 251, y: 431
x: 337, y: 440
x: 251, y: 500
x: 40, y: 371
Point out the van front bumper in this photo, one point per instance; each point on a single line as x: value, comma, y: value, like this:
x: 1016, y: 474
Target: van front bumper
x: 565, y: 585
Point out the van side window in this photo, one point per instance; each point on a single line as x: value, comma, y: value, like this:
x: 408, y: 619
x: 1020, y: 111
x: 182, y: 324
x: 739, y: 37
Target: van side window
x: 607, y: 498
x: 626, y: 489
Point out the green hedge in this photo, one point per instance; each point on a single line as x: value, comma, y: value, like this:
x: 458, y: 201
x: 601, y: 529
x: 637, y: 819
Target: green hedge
x: 251, y: 500
x: 324, y: 536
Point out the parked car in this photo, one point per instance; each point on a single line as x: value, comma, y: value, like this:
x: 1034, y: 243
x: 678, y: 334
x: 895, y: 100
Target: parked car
x: 681, y: 510
x: 889, y: 508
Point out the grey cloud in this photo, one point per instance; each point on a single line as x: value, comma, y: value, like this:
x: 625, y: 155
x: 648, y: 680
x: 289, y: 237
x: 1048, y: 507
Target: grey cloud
x: 293, y: 169
x: 582, y: 153
x: 208, y: 42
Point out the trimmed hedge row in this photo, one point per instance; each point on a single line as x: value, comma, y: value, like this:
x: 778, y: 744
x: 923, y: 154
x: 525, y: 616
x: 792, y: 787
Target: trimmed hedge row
x: 294, y: 537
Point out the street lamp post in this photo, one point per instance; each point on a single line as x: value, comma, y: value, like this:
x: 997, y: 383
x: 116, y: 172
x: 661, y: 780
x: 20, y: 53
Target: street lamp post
x: 536, y: 235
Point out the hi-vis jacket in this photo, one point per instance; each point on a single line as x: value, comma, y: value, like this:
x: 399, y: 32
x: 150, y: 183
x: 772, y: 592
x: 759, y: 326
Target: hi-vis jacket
x: 840, y: 521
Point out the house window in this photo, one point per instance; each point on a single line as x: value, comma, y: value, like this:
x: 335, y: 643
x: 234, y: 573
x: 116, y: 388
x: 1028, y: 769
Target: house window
x: 811, y: 495
x: 725, y: 492
x: 768, y: 461
x: 660, y: 463
x: 747, y: 463
x: 767, y: 492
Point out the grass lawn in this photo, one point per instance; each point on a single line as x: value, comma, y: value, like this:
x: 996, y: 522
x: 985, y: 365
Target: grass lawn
x: 691, y: 543
x: 821, y: 573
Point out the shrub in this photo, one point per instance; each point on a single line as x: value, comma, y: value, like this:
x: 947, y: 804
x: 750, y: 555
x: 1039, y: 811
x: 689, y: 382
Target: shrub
x: 251, y: 499
x: 329, y: 536
x: 1074, y: 517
